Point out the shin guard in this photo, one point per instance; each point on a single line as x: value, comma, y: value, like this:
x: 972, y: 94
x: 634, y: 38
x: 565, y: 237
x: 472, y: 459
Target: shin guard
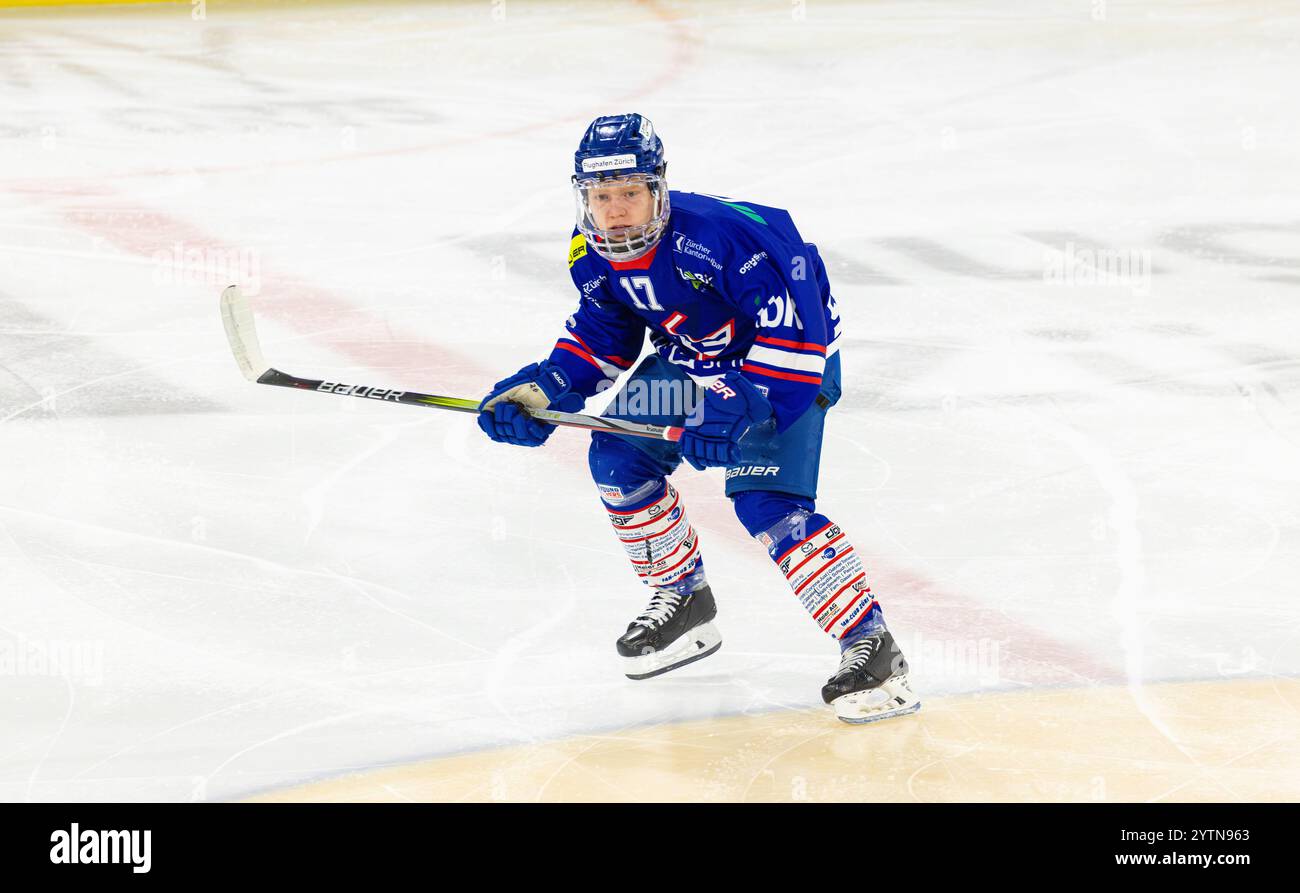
x: 825, y: 572
x: 657, y: 536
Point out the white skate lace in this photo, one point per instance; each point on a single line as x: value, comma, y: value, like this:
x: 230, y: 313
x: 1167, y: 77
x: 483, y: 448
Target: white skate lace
x: 856, y: 656
x: 662, y: 605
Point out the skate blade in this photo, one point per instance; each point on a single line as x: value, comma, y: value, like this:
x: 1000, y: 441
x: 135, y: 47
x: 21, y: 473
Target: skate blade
x: 695, y: 644
x: 894, y: 698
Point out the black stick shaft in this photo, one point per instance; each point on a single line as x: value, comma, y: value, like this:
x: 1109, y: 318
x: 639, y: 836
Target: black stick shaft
x: 459, y: 404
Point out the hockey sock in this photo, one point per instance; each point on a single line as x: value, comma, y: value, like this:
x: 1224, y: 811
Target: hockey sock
x: 659, y: 539
x: 825, y: 572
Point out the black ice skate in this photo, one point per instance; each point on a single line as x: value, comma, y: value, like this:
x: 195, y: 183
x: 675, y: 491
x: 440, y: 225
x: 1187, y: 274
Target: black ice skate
x: 672, y: 631
x: 871, y: 683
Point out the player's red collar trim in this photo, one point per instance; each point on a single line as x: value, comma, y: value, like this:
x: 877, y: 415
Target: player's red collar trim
x: 641, y: 263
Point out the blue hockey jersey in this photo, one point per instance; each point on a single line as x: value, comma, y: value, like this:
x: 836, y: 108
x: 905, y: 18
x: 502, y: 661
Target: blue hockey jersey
x: 730, y: 286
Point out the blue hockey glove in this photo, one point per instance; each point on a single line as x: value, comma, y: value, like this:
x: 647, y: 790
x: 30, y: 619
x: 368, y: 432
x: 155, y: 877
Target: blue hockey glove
x: 731, y: 407
x: 537, y: 385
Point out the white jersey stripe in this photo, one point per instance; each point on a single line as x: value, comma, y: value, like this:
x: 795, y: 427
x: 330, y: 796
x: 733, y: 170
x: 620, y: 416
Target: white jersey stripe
x: 785, y: 359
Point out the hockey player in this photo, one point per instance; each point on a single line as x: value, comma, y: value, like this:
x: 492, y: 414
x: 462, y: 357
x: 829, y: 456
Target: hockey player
x: 745, y: 335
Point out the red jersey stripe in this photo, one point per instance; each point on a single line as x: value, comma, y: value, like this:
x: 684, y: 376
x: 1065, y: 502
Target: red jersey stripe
x: 616, y: 361
x: 751, y: 366
x: 578, y: 351
x: 793, y: 345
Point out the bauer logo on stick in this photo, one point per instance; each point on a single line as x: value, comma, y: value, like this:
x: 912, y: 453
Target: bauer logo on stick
x: 359, y: 390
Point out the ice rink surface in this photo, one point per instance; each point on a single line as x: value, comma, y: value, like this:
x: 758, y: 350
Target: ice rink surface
x: 1065, y: 238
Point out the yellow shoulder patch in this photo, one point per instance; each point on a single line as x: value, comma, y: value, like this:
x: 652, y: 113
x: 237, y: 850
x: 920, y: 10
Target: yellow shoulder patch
x: 577, y: 248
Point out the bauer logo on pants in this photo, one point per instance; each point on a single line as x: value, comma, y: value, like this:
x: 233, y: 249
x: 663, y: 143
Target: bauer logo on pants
x: 741, y: 471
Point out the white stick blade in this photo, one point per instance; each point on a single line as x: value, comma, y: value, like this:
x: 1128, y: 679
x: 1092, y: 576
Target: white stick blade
x: 237, y: 315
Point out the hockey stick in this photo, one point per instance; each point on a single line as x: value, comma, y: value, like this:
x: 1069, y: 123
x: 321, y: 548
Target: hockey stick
x: 241, y: 331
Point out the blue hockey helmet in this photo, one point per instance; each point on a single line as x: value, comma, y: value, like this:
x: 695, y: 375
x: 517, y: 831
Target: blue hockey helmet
x: 619, y: 186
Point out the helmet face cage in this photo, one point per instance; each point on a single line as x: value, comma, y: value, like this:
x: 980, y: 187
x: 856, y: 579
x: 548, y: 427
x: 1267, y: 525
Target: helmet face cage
x: 627, y: 242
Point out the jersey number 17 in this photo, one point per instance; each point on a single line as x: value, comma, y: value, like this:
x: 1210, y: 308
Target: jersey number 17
x: 642, y: 284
